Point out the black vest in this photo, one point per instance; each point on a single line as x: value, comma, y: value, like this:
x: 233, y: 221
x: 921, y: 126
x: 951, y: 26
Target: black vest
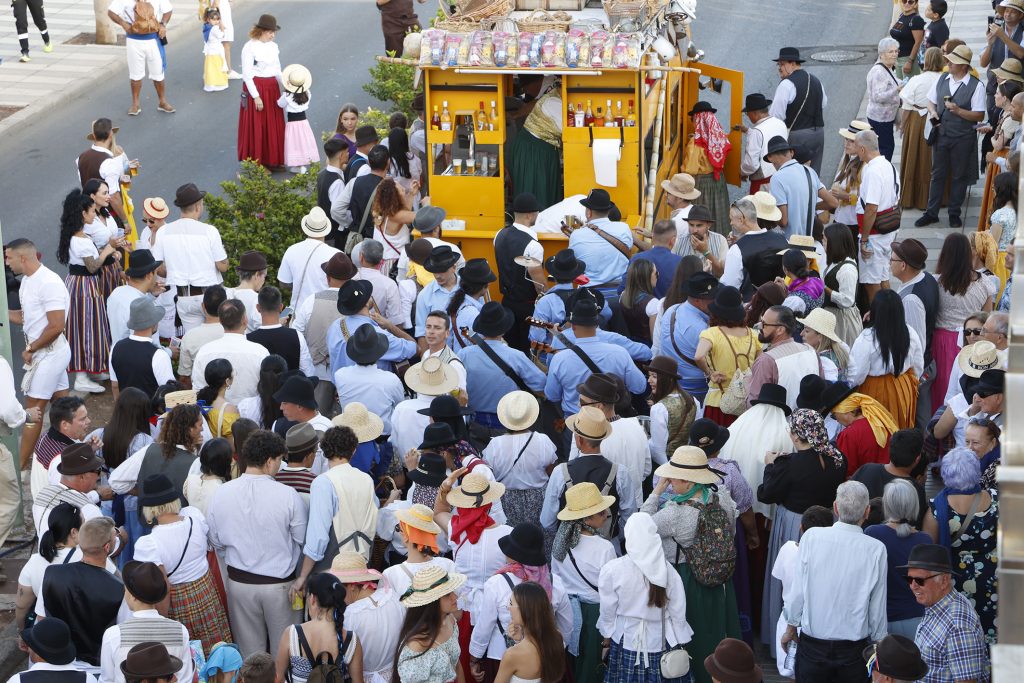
x: 810, y: 115
x: 761, y: 260
x: 284, y: 341
x: 324, y: 180
x: 362, y: 188
x: 595, y: 469
x: 509, y: 243
x: 927, y: 290
x: 87, y: 599
x: 954, y: 126
x: 45, y: 676
x: 132, y: 361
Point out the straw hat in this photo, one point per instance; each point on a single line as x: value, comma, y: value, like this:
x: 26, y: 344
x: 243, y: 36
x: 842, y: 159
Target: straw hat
x: 155, y: 207
x: 185, y: 397
x: 855, y: 127
x: 681, y: 185
x: 978, y: 357
x: 961, y: 54
x: 431, y: 583
x: 767, y: 207
x: 365, y: 424
x: 350, y: 567
x: 590, y: 423
x: 1010, y: 69
x: 583, y: 500
x: 689, y: 463
x: 418, y: 517
x: 431, y: 377
x: 518, y: 410
x: 823, y: 322
x: 475, y: 491
x: 296, y: 78
x: 804, y: 243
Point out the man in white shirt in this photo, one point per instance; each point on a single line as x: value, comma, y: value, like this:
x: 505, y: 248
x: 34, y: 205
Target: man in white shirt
x: 957, y: 101
x: 764, y: 127
x: 51, y: 653
x: 142, y: 281
x: 385, y: 290
x: 145, y: 50
x: 301, y: 264
x: 193, y: 255
x: 680, y: 193
x: 252, y: 275
x: 840, y: 609
x: 330, y: 183
x: 245, y: 356
x: 200, y: 335
x: 879, y: 192
x: 44, y: 308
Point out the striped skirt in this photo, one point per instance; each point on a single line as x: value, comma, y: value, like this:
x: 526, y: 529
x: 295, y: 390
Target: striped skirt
x: 522, y: 505
x: 110, y: 276
x: 198, y: 607
x: 88, y: 330
x: 623, y: 666
x: 897, y: 394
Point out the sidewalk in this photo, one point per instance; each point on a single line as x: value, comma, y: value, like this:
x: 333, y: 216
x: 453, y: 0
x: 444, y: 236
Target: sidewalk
x: 73, y: 66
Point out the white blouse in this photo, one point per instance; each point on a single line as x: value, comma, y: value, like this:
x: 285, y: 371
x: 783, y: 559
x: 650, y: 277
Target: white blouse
x: 846, y: 276
x: 478, y: 561
x: 529, y: 471
x: 866, y: 358
x: 184, y: 542
x: 914, y: 94
x: 260, y: 60
x: 101, y: 230
x: 80, y: 249
x: 592, y: 553
x: 287, y: 102
x: 628, y: 619
x: 198, y: 491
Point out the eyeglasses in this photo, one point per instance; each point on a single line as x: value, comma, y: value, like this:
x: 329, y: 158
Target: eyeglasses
x: 764, y: 324
x: 909, y: 2
x: 894, y: 259
x: 919, y: 580
x: 973, y: 331
x: 590, y: 403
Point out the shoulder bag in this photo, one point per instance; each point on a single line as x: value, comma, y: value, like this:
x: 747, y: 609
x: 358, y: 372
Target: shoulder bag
x: 734, y: 398
x: 675, y: 662
x: 356, y: 236
x: 672, y: 337
x: 889, y: 220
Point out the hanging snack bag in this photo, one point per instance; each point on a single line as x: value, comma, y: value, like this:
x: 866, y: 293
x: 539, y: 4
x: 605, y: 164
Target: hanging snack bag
x: 481, y: 50
x: 626, y: 51
x: 432, y: 47
x: 577, y: 48
x: 525, y: 43
x: 452, y: 46
x: 504, y: 47
x: 598, y: 40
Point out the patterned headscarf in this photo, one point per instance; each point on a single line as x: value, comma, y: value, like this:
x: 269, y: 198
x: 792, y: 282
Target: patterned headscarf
x: 708, y: 133
x: 882, y: 424
x: 568, y: 537
x: 809, y: 425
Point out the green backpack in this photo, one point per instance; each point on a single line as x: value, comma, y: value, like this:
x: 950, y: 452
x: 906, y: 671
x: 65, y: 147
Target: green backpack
x: 712, y: 556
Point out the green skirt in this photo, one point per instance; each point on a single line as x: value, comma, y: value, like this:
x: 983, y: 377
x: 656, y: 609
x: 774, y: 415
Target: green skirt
x: 713, y: 616
x: 535, y: 168
x: 588, y: 667
x: 714, y: 194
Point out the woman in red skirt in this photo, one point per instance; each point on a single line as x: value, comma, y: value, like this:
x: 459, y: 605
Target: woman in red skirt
x: 260, y: 120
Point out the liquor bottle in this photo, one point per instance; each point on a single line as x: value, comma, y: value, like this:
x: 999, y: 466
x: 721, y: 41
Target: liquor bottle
x: 609, y: 122
x: 446, y: 117
x: 493, y: 123
x: 631, y: 116
x: 620, y: 121
x: 435, y: 120
x: 579, y: 115
x: 588, y: 116
x: 599, y: 118
x: 570, y: 118
x: 482, y: 122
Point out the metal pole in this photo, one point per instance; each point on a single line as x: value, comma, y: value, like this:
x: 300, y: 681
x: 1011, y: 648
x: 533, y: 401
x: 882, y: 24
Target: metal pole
x: 11, y: 442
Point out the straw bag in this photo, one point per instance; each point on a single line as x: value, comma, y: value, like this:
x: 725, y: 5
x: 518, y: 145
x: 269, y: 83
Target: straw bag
x: 734, y: 398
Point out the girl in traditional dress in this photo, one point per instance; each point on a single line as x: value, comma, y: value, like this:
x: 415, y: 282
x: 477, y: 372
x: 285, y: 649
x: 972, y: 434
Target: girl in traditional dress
x: 672, y: 409
x: 345, y: 130
x: 726, y: 346
x: 260, y: 119
x: 637, y: 297
x: 300, y: 147
x: 220, y: 414
x: 840, y: 279
x: 88, y: 331
x: 847, y: 181
x: 419, y: 536
x: 806, y: 290
x: 1003, y: 223
x: 215, y: 70
x: 820, y: 333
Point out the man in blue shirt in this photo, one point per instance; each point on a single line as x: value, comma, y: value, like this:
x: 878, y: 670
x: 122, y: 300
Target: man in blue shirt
x: 663, y: 240
x: 563, y: 268
x: 486, y: 383
x: 791, y: 185
x: 435, y: 296
x: 681, y: 326
x: 602, y: 244
x: 353, y: 304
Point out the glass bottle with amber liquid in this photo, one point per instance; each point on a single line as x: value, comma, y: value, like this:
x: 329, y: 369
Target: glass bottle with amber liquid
x: 631, y: 116
x: 570, y: 117
x: 446, y: 117
x: 482, y: 122
x: 588, y: 116
x: 620, y: 120
x: 435, y: 120
x: 599, y: 118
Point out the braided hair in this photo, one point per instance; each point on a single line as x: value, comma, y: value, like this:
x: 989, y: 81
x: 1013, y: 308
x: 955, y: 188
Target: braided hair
x: 330, y: 594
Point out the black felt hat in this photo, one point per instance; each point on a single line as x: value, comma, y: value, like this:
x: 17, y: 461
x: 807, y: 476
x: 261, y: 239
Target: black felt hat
x: 437, y: 435
x: 811, y: 388
x: 708, y: 436
x: 525, y: 545
x: 353, y: 295
x: 930, y: 557
x: 525, y: 202
x: 445, y: 406
x: 598, y: 200
x: 477, y: 270
x: 366, y: 345
x: 756, y: 102
x: 430, y: 470
x: 50, y: 638
x: 789, y: 54
x: 834, y: 394
x: 157, y: 489
x: 441, y: 259
x: 897, y: 657
x: 565, y: 266
x: 493, y: 320
x: 773, y: 395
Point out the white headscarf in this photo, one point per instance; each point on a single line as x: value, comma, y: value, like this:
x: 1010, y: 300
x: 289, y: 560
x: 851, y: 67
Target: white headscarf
x: 643, y: 546
x: 760, y: 429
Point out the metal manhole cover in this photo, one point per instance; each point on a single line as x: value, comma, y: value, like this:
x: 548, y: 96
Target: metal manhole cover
x: 836, y: 56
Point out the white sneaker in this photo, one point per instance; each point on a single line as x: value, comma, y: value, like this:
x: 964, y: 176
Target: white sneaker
x: 234, y: 75
x: 102, y: 377
x: 85, y: 385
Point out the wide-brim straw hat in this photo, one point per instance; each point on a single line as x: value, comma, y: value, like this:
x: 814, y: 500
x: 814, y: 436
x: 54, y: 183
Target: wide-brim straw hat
x: 185, y: 397
x: 855, y: 127
x: 961, y: 54
x: 475, y: 491
x: 689, y: 463
x: 431, y: 583
x: 766, y: 206
x: 681, y: 185
x: 349, y: 566
x: 418, y: 517
x: 1010, y: 69
x: 823, y: 322
x: 590, y: 423
x: 156, y: 207
x: 431, y: 377
x: 296, y: 78
x: 366, y: 425
x: 978, y: 357
x: 583, y: 500
x: 804, y: 243
x: 518, y: 410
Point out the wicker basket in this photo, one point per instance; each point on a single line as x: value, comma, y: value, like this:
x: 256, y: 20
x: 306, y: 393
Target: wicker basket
x: 466, y: 22
x: 541, y: 20
x: 622, y: 12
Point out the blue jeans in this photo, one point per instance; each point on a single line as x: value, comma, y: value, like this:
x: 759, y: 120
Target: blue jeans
x: 886, y: 141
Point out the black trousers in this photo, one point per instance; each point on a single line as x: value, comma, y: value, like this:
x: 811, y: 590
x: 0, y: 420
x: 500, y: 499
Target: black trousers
x: 518, y: 336
x: 21, y: 20
x: 835, y: 661
x: 952, y: 158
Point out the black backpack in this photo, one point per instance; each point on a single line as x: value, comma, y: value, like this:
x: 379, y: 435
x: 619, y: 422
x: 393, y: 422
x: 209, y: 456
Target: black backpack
x: 324, y: 668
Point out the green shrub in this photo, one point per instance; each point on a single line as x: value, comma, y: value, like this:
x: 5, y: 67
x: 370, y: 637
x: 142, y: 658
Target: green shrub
x: 392, y: 83
x: 261, y: 213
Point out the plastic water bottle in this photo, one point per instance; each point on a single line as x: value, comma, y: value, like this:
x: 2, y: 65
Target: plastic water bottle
x: 791, y: 656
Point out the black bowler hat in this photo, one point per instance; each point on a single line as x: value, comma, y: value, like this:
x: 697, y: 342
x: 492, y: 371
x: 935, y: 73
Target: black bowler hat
x: 157, y: 489
x: 437, y: 435
x: 353, y: 295
x: 702, y: 286
x: 444, y: 406
x: 701, y: 107
x: 187, y: 195
x: 366, y: 135
x: 142, y: 264
x: 565, y: 266
x: 699, y: 212
x: 991, y: 382
x: 297, y: 389
x: 441, y: 259
x: 834, y: 394
x: 898, y: 658
x: 708, y: 436
x: 929, y: 557
x: 51, y: 640
x: 773, y: 395
x: 811, y: 388
x: 525, y: 202
x: 598, y: 200
x: 366, y: 345
x: 431, y: 469
x: 756, y: 102
x: 477, y: 270
x: 789, y: 54
x: 493, y: 320
x: 728, y: 305
x: 585, y: 312
x: 525, y: 545
x: 778, y: 144
x: 601, y: 387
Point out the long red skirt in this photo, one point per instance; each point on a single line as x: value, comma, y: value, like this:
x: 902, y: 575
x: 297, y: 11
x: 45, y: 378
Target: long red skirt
x: 715, y: 414
x: 261, y: 133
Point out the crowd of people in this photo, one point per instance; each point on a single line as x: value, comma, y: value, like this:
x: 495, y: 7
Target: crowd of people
x: 769, y: 426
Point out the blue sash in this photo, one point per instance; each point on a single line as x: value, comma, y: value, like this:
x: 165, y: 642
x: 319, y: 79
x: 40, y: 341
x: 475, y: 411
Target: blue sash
x: 942, y: 512
x: 159, y: 43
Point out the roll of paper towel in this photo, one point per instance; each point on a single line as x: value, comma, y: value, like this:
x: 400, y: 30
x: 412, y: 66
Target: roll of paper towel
x: 606, y: 162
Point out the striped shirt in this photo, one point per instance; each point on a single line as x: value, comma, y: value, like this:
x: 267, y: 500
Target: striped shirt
x: 50, y: 445
x: 299, y: 478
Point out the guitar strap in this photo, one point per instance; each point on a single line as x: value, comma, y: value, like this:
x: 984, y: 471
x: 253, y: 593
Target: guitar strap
x: 500, y: 363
